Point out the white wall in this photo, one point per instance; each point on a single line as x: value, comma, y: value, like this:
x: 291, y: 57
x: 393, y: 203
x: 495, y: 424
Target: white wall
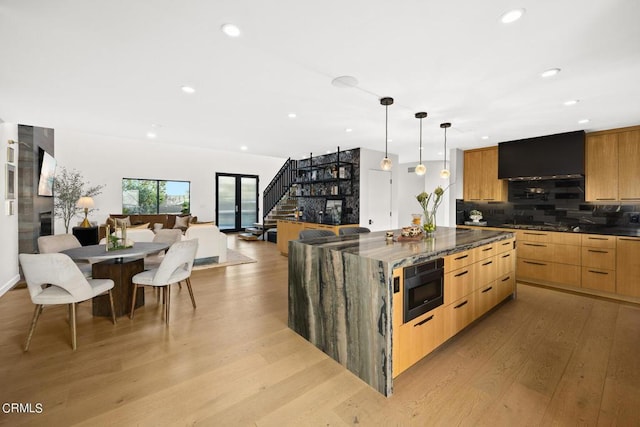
x: 410, y: 185
x: 457, y: 173
x: 370, y: 160
x: 9, y: 272
x: 106, y: 160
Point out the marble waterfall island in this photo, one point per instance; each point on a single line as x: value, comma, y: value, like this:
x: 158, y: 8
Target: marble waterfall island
x: 341, y: 292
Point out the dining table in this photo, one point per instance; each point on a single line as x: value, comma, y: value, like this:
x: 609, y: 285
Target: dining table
x: 119, y: 265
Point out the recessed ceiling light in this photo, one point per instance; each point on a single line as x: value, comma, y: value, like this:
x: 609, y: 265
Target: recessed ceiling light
x: 439, y: 153
x: 389, y: 140
x: 583, y: 121
x: 188, y: 89
x: 151, y: 135
x: 512, y: 16
x: 292, y: 115
x: 484, y: 137
x: 571, y: 102
x: 230, y: 30
x: 347, y: 130
x: 345, y: 81
x: 244, y: 148
x: 550, y: 72
x: 328, y: 151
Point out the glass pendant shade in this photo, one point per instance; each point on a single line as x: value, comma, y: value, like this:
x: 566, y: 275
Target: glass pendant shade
x: 385, y: 163
x: 421, y: 169
x: 444, y: 173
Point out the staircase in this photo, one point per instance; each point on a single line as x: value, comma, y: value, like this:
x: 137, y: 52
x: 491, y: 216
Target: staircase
x: 277, y: 203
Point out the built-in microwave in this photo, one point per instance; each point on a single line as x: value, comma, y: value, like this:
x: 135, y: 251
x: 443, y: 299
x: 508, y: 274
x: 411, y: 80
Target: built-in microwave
x: 423, y: 288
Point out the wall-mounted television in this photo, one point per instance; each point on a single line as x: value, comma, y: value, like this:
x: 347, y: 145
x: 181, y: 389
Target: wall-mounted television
x: 47, y: 172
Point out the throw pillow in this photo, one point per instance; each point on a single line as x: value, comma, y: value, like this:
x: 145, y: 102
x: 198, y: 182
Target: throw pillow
x: 123, y: 221
x: 182, y: 222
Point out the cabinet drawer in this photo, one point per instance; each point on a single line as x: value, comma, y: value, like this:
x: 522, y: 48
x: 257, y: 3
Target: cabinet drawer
x: 548, y: 237
x: 417, y: 338
x: 485, y: 251
x: 458, y: 283
x: 506, y: 262
x: 506, y: 285
x: 458, y: 315
x: 599, y: 279
x: 598, y: 241
x: 602, y: 258
x: 504, y: 246
x: 485, y: 299
x: 458, y: 260
x: 484, y: 271
x: 548, y: 272
x: 564, y: 254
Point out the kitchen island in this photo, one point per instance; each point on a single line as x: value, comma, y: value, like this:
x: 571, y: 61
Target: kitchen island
x: 345, y: 295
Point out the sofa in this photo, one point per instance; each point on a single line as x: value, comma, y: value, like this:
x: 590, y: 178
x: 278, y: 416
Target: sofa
x: 212, y: 243
x: 148, y: 220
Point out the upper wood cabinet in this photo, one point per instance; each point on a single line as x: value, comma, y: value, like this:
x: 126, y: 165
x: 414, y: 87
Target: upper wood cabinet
x: 612, y: 165
x: 481, y: 183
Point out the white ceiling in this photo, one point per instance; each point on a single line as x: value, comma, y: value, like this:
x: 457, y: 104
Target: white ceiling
x: 116, y: 68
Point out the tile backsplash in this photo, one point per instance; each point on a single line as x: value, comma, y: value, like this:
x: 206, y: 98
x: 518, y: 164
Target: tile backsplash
x: 551, y: 202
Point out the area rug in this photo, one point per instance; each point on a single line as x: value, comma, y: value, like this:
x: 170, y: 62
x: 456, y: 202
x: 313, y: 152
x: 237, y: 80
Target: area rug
x: 233, y: 258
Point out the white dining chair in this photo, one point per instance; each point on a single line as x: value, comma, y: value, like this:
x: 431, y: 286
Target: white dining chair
x: 175, y: 267
x: 54, y: 279
x: 58, y: 243
x: 169, y: 236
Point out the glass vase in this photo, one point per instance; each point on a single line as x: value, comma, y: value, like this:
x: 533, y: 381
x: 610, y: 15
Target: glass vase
x: 429, y: 224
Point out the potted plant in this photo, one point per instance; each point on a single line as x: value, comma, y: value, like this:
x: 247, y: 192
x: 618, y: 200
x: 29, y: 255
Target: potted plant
x: 475, y: 215
x: 68, y: 187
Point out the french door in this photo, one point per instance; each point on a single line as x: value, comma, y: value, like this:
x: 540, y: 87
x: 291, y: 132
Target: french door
x: 236, y: 201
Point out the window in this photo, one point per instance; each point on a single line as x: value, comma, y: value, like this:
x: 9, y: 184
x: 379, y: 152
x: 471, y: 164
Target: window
x: 153, y: 196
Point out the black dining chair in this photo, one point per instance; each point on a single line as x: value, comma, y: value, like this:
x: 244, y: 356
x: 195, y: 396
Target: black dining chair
x: 345, y: 231
x: 313, y: 234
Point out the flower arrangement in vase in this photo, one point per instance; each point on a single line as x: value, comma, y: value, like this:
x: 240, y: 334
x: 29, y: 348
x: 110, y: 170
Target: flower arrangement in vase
x: 429, y: 203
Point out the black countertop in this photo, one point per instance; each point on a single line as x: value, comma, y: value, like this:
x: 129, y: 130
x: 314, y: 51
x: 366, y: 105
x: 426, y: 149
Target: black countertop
x: 582, y: 228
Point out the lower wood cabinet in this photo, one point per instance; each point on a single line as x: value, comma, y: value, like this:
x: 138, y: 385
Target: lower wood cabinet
x: 418, y: 338
x: 485, y: 298
x: 506, y: 285
x: 458, y: 315
x: 599, y: 279
x: 474, y: 282
x: 628, y: 266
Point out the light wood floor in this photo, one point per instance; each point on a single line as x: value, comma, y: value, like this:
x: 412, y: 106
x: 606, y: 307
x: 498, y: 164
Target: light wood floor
x: 547, y: 358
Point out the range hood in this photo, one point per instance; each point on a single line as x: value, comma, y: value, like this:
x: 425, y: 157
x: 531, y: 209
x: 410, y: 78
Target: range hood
x: 546, y: 157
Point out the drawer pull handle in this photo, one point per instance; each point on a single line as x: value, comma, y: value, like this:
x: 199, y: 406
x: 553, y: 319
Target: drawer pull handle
x: 461, y: 274
x: 602, y: 198
x: 506, y: 278
x: 534, y: 263
x: 535, y: 244
x: 461, y: 304
x: 461, y: 257
x: 598, y: 252
x: 505, y: 243
x: 487, y: 249
x: 506, y: 256
x: 597, y: 238
x: 629, y: 240
x: 487, y: 263
x: 534, y: 234
x: 629, y: 198
x: 423, y: 321
x: 598, y: 272
x: 488, y: 289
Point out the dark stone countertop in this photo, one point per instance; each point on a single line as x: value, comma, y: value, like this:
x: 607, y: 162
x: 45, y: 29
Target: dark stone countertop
x: 446, y: 240
x: 581, y: 229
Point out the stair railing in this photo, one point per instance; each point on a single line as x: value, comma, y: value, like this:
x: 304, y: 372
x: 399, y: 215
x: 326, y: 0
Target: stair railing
x: 278, y: 187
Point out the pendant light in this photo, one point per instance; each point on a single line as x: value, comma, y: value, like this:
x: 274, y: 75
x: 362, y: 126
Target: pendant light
x: 385, y: 164
x: 421, y: 169
x: 444, y: 173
